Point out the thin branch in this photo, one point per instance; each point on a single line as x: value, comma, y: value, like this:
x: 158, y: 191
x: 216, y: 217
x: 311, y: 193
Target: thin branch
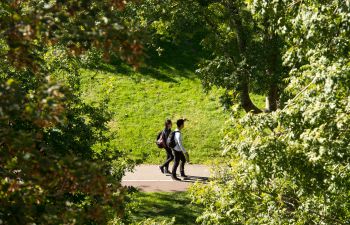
x: 301, y: 92
x: 294, y: 3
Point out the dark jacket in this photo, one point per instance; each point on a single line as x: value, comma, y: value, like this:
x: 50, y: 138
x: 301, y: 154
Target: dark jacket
x: 166, y: 133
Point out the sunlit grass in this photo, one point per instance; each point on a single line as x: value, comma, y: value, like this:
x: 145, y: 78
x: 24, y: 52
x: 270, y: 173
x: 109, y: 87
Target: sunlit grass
x: 141, y: 101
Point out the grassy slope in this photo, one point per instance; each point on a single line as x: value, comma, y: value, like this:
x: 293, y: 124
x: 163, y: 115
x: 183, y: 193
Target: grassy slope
x: 141, y: 101
x: 164, y: 205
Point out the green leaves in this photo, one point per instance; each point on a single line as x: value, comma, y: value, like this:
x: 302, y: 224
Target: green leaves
x: 77, y: 25
x: 292, y: 166
x: 51, y: 172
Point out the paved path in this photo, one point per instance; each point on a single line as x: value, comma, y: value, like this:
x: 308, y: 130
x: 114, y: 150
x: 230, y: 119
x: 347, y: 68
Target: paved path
x: 148, y: 178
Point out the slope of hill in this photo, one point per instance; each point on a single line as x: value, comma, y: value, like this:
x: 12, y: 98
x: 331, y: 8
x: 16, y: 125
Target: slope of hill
x: 141, y: 101
x: 167, y: 88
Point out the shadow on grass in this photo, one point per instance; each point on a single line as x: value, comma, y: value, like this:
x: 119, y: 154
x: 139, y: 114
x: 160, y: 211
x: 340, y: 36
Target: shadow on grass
x: 177, y: 61
x: 156, y: 74
x: 167, y: 205
x: 180, y: 58
x: 144, y: 72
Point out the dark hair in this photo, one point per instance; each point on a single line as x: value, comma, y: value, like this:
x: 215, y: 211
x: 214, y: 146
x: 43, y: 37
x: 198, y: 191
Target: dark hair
x: 180, y: 122
x: 167, y: 121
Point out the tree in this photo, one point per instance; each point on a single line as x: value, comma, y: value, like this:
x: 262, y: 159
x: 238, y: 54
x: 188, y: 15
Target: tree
x: 245, y: 52
x: 292, y: 166
x: 57, y: 164
x: 243, y: 49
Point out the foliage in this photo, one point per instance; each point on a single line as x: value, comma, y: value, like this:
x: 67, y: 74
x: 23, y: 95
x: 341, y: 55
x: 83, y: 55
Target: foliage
x: 292, y: 166
x: 243, y: 51
x: 47, y: 161
x: 29, y: 25
x: 58, y: 165
x: 164, y: 20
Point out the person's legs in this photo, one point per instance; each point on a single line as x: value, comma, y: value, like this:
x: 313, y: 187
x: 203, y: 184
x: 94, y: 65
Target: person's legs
x: 177, y: 156
x: 182, y: 164
x: 170, y: 158
x: 164, y: 168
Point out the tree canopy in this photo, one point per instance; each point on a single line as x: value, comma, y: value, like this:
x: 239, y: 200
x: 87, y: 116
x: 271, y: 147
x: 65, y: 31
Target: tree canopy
x: 57, y: 165
x: 243, y: 49
x: 292, y: 166
x: 286, y: 164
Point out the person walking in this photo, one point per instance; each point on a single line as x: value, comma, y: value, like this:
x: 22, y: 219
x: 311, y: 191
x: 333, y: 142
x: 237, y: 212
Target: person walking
x: 179, y: 151
x: 164, y: 168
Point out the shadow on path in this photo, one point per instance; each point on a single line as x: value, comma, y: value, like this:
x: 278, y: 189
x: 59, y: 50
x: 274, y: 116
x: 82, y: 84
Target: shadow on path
x: 193, y: 179
x: 148, y: 178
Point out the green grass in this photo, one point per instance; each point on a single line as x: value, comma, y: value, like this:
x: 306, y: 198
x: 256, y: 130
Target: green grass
x: 164, y: 205
x: 141, y: 101
x: 166, y: 88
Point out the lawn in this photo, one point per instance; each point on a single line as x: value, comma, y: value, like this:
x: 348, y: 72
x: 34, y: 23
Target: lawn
x: 141, y: 101
x: 163, y: 205
x: 167, y: 87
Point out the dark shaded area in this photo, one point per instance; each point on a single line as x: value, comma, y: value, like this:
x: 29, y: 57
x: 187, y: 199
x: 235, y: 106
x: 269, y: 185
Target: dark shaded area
x: 168, y: 205
x: 156, y: 74
x: 175, y: 61
x: 144, y: 72
x: 183, y: 56
x: 194, y: 179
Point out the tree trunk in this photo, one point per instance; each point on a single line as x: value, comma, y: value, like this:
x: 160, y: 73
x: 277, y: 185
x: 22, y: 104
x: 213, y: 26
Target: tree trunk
x: 272, y: 98
x: 245, y: 100
x: 273, y: 72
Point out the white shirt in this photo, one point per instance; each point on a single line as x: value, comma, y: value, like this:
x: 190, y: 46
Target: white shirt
x: 178, y: 140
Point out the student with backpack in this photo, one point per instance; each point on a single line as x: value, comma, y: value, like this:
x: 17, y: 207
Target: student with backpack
x: 162, y: 143
x: 175, y: 143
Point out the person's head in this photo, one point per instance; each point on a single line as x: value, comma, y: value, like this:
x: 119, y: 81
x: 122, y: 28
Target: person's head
x: 168, y: 124
x: 180, y: 123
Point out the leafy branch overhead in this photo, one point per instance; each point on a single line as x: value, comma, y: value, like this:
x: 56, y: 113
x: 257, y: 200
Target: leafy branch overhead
x: 58, y: 164
x: 28, y: 26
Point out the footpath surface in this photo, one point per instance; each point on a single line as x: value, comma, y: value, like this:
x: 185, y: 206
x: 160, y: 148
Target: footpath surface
x: 148, y: 178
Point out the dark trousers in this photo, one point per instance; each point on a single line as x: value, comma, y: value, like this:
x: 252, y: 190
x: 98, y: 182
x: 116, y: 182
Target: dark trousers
x: 169, y: 158
x: 179, y: 156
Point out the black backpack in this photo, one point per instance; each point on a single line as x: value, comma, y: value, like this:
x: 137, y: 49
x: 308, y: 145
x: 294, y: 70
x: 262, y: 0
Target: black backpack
x: 171, y: 143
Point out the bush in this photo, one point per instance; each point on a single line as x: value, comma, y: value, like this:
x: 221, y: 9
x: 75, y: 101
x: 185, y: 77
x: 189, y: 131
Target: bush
x: 292, y: 166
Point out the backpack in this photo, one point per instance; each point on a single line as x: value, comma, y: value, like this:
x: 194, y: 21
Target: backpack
x: 171, y: 139
x: 160, y: 140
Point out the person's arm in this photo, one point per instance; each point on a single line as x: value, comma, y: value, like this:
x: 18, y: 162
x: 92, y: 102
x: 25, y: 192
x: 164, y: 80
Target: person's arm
x: 179, y: 142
